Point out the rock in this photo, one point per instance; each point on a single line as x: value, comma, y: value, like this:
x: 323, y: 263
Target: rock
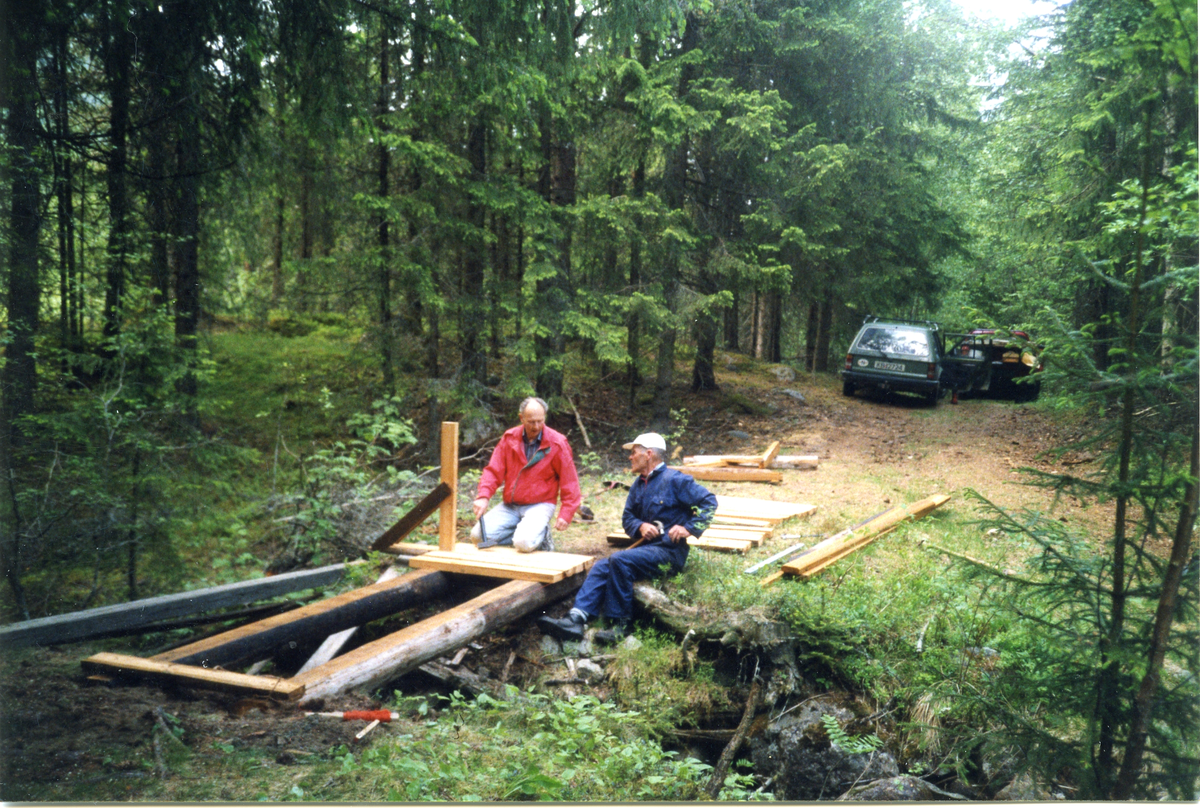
x: 796, y: 394
x: 1023, y: 788
x: 784, y: 373
x: 795, y: 752
x: 631, y: 642
x: 904, y: 788
x: 551, y: 646
x: 589, y: 671
x: 737, y: 434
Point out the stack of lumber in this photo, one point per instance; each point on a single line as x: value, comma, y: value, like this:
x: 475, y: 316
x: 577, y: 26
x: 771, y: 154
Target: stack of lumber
x: 739, y: 524
x: 745, y: 468
x: 848, y: 541
x: 504, y: 562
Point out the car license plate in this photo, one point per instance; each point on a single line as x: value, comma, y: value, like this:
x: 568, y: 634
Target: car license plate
x: 897, y: 366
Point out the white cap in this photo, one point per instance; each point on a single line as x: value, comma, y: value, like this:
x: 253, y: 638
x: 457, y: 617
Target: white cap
x: 651, y: 440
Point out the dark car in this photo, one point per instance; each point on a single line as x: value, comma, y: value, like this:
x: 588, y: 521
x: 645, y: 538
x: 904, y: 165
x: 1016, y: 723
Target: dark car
x: 900, y: 355
x: 992, y: 361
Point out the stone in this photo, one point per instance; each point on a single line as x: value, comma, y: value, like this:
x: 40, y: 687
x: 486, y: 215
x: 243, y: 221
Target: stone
x: 904, y: 788
x: 1023, y: 788
x: 784, y: 373
x: 589, y: 671
x: 796, y: 394
x: 551, y: 646
x: 795, y: 752
x: 737, y: 434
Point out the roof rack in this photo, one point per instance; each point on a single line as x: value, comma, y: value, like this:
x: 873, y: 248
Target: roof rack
x: 872, y: 318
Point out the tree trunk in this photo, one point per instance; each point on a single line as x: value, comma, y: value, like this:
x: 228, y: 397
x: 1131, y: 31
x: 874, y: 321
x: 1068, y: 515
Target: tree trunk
x: 775, y: 332
x: 377, y: 662
x: 824, y: 333
x: 675, y: 195
x: 557, y: 186
x: 1181, y: 548
x: 24, y: 285
x: 473, y: 355
x: 703, y: 377
x: 186, y: 230
x: 384, y: 172
x: 811, y: 330
x: 117, y: 55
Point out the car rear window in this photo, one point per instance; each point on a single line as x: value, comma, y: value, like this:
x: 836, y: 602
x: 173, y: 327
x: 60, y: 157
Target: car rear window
x: 905, y: 342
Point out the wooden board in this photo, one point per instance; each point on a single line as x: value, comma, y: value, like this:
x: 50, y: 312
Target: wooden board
x: 76, y: 626
x: 419, y: 513
x: 504, y: 562
x: 741, y: 521
x: 769, y: 455
x: 448, y: 509
x: 731, y: 474
x: 761, y: 508
x: 779, y: 461
x: 194, y: 676
x: 753, y: 539
x: 714, y: 537
x: 707, y: 542
x: 261, y: 638
x: 831, y: 550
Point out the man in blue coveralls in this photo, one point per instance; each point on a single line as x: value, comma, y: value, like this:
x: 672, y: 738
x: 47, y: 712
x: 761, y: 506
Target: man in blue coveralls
x: 664, y: 509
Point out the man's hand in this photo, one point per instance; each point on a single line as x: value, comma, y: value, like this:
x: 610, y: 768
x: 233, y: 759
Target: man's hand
x: 479, y: 507
x: 648, y: 530
x: 678, y: 533
x: 561, y: 524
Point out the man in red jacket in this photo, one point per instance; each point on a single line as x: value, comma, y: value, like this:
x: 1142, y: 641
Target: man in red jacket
x: 534, y: 465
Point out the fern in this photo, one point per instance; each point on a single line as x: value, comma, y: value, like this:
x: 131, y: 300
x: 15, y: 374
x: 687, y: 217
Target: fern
x: 851, y: 744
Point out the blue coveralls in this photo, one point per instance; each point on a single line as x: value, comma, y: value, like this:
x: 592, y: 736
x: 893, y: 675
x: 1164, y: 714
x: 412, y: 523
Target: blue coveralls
x: 668, y: 496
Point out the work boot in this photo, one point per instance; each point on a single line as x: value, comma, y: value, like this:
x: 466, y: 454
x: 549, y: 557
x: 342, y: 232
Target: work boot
x: 613, y: 634
x: 570, y: 627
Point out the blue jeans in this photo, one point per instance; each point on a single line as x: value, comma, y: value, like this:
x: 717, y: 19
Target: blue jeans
x: 526, y: 527
x: 608, y: 588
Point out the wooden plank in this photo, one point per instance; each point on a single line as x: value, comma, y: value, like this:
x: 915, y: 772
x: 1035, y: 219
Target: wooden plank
x: 718, y: 537
x: 410, y: 548
x: 780, y: 461
x: 448, y: 514
x: 271, y: 687
x: 377, y: 662
x: 732, y: 474
x: 505, y: 562
x: 833, y: 549
x: 82, y: 625
x: 706, y: 542
x: 418, y: 514
x: 769, y: 455
x: 354, y: 608
x: 751, y: 539
x: 762, y: 508
x: 722, y: 519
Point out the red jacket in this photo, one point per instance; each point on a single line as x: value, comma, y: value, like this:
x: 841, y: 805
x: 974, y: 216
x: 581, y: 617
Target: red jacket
x: 551, y: 471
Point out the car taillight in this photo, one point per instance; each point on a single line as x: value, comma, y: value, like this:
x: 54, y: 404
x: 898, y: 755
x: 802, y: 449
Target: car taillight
x: 931, y: 371
x: 847, y: 361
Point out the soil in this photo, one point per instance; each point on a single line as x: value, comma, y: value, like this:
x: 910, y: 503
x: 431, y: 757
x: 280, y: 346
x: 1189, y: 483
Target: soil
x: 61, y: 733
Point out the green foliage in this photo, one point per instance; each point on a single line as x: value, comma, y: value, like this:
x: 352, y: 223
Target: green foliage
x: 577, y: 750
x: 852, y: 744
x: 350, y: 470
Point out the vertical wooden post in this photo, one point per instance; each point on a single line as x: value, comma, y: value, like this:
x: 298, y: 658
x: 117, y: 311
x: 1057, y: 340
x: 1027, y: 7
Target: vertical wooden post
x: 448, y: 514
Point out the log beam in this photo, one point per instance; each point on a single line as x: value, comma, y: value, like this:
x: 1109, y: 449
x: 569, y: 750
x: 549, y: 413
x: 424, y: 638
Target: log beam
x: 77, y: 626
x: 347, y: 610
x: 375, y: 663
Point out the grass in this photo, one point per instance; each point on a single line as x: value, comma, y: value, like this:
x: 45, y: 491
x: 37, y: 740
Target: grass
x: 890, y: 621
